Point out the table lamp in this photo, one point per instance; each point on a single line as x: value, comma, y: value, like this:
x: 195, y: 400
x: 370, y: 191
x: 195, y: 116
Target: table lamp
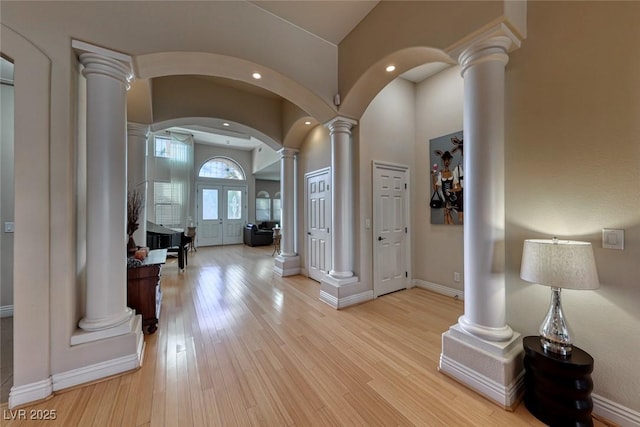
x: 559, y: 264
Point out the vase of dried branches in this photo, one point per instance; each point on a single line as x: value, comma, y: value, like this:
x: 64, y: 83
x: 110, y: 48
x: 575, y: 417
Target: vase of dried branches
x: 135, y: 199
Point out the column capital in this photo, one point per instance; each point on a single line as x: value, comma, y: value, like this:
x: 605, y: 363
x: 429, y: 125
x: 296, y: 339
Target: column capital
x: 98, y: 60
x: 476, y: 40
x: 288, y: 153
x: 340, y: 124
x: 491, y: 49
x: 137, y: 130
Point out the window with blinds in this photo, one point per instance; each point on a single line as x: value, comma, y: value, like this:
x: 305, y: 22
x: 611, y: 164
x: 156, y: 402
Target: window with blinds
x: 167, y: 204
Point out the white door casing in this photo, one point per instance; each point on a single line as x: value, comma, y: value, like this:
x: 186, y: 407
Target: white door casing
x: 390, y: 228
x: 318, y: 222
x: 222, y: 213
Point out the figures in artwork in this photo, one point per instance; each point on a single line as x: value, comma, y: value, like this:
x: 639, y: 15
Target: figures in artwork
x: 448, y: 182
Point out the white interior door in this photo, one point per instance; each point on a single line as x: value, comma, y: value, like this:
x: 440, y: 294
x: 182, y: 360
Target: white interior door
x: 222, y: 213
x: 390, y: 233
x: 318, y: 193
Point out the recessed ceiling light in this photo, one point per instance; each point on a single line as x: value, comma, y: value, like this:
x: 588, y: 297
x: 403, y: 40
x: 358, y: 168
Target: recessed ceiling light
x: 390, y: 68
x: 225, y: 124
x: 256, y: 76
x: 307, y: 122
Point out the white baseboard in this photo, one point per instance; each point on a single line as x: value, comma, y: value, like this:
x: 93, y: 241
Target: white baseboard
x: 98, y: 371
x: 285, y: 273
x: 439, y: 289
x: 6, y: 311
x: 339, y: 303
x: 611, y: 411
x: 505, y: 396
x: 355, y: 299
x: 23, y: 394
x: 327, y: 298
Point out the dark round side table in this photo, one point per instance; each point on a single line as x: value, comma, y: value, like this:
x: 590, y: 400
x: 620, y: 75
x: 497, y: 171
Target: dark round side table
x: 558, y: 388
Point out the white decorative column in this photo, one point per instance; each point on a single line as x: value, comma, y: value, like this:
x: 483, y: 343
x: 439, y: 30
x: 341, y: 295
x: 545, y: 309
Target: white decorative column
x: 334, y: 286
x: 106, y: 313
x: 287, y: 263
x: 481, y: 350
x: 137, y: 135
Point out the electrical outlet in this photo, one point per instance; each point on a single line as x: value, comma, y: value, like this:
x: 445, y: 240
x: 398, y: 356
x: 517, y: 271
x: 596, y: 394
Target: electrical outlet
x: 456, y: 277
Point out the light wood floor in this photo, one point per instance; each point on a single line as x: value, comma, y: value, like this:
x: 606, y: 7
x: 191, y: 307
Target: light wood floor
x: 238, y: 345
x: 6, y: 357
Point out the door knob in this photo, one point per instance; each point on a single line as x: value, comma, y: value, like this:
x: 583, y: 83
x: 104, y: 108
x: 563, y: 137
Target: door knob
x: 381, y: 238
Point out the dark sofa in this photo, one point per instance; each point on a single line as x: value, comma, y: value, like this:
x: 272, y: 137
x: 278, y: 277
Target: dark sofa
x: 253, y: 236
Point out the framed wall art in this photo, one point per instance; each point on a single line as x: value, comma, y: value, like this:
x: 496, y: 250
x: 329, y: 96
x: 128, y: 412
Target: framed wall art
x: 446, y: 199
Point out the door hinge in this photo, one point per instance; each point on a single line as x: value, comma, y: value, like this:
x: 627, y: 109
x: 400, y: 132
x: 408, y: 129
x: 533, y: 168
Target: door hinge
x: 405, y: 230
x: 406, y: 274
x: 405, y: 185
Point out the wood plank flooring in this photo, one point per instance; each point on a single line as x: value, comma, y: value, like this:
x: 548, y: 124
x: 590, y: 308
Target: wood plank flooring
x: 6, y: 357
x: 239, y: 346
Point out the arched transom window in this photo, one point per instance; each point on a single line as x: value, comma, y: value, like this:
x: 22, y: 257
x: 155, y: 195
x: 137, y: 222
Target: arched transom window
x: 222, y: 168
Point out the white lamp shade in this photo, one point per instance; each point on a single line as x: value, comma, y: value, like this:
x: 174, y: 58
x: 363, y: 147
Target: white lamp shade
x: 559, y: 263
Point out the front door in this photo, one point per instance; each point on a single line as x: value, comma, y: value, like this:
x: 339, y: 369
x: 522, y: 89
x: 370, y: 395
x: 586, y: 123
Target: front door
x: 390, y: 218
x: 318, y: 223
x: 221, y: 214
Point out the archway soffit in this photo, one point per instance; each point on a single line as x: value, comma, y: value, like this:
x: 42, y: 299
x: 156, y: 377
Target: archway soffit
x: 211, y: 64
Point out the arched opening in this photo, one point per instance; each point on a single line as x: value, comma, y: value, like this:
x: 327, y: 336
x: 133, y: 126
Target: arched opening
x: 222, y: 168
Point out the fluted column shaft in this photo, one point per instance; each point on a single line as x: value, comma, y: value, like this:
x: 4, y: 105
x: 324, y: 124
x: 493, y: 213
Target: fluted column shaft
x: 483, y: 70
x: 137, y: 135
x: 287, y: 199
x: 342, y: 198
x: 106, y: 293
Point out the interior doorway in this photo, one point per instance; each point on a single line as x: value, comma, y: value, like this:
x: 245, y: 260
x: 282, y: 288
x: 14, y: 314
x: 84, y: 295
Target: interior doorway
x: 318, y: 221
x: 222, y: 214
x: 7, y: 198
x: 391, y: 251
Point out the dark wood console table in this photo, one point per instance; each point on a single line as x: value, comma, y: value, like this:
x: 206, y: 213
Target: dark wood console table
x: 557, y: 388
x: 144, y: 293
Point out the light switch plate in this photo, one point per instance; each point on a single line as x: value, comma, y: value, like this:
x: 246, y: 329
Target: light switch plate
x: 9, y: 227
x: 612, y: 238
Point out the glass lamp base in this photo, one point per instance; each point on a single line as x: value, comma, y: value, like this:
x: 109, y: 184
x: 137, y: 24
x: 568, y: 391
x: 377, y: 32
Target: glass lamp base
x: 554, y: 331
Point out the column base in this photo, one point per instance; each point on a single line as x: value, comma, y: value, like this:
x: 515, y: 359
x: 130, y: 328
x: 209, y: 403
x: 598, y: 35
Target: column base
x: 493, y: 369
x: 131, y: 348
x: 340, y: 293
x: 81, y: 336
x: 106, y: 323
x: 286, y: 265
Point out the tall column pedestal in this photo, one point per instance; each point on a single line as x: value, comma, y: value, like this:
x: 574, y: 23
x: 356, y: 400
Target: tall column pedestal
x: 287, y: 263
x: 107, y: 323
x: 335, y: 288
x: 492, y: 368
x: 481, y: 350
